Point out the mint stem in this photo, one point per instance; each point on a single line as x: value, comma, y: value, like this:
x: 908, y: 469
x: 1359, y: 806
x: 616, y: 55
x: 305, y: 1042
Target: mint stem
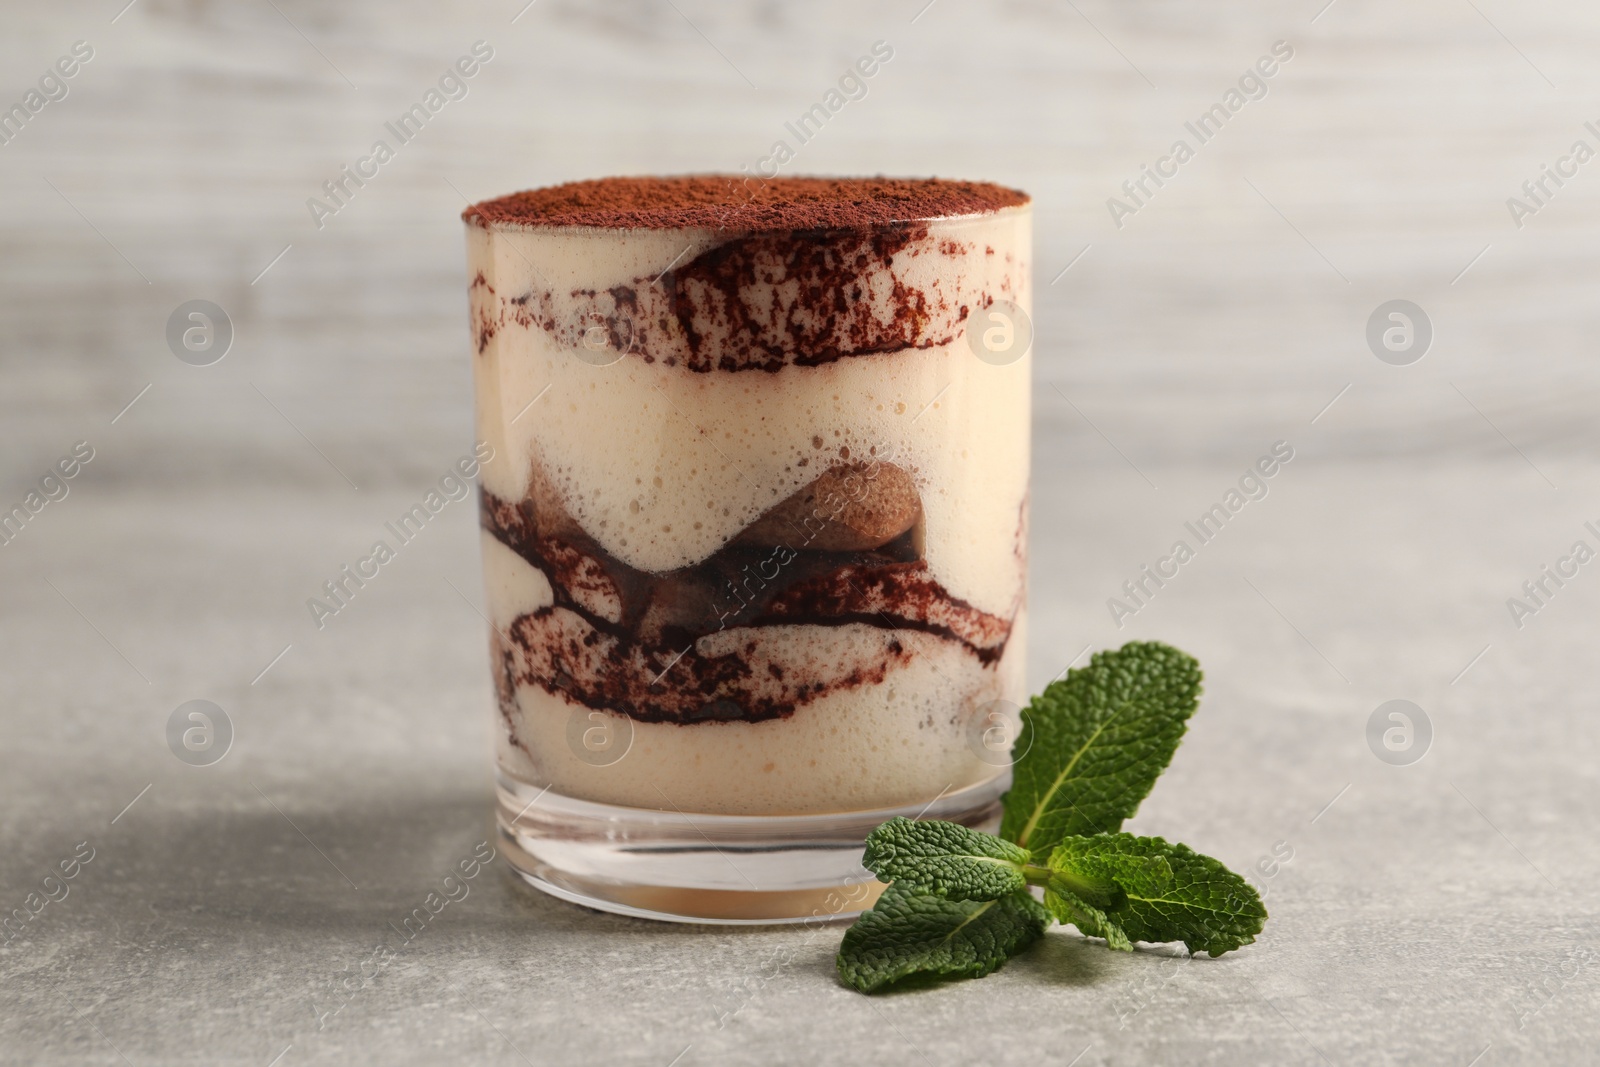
x: 1100, y: 892
x: 1037, y: 875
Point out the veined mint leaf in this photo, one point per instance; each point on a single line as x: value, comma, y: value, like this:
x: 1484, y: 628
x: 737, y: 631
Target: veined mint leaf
x: 909, y: 934
x: 1173, y: 892
x: 1068, y: 907
x: 946, y: 859
x: 1094, y: 743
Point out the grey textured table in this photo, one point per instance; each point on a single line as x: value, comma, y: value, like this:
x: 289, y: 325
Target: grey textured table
x: 1440, y: 912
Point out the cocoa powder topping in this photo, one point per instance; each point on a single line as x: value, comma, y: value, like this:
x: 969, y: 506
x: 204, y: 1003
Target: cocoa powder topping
x: 744, y: 204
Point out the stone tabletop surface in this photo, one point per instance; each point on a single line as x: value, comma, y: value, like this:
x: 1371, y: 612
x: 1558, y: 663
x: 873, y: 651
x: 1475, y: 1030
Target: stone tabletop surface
x: 1432, y: 898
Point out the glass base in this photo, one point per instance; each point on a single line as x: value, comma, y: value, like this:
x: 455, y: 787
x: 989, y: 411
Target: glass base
x: 723, y: 869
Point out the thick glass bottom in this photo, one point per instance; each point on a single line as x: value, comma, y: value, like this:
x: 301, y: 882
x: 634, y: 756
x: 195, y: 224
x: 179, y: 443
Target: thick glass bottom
x: 723, y: 869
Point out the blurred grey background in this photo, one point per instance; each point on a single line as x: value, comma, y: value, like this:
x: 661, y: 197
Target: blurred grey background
x: 1431, y: 913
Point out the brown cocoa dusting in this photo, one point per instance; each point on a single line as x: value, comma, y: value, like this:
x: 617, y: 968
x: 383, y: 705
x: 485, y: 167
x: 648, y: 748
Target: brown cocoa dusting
x: 742, y: 204
x: 766, y: 301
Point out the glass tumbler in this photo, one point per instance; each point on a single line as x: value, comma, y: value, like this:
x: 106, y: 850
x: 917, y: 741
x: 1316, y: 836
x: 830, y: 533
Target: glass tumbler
x: 754, y: 532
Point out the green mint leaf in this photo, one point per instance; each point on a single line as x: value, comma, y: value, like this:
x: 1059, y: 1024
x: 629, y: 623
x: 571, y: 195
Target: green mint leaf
x: 1108, y: 858
x: 946, y: 859
x: 1172, y: 892
x: 917, y: 936
x: 1094, y: 743
x: 1068, y: 907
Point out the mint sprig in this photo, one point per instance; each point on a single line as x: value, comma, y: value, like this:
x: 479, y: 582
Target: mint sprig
x: 959, y: 903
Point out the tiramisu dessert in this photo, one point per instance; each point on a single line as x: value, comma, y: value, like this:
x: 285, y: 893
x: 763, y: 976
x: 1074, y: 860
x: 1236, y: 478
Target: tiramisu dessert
x: 756, y: 506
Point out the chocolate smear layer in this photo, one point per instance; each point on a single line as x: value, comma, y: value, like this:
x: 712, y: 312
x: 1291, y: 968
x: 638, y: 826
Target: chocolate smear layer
x: 689, y: 646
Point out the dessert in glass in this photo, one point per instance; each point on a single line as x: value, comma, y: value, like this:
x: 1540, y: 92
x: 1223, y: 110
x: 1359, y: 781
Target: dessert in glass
x: 754, y: 533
